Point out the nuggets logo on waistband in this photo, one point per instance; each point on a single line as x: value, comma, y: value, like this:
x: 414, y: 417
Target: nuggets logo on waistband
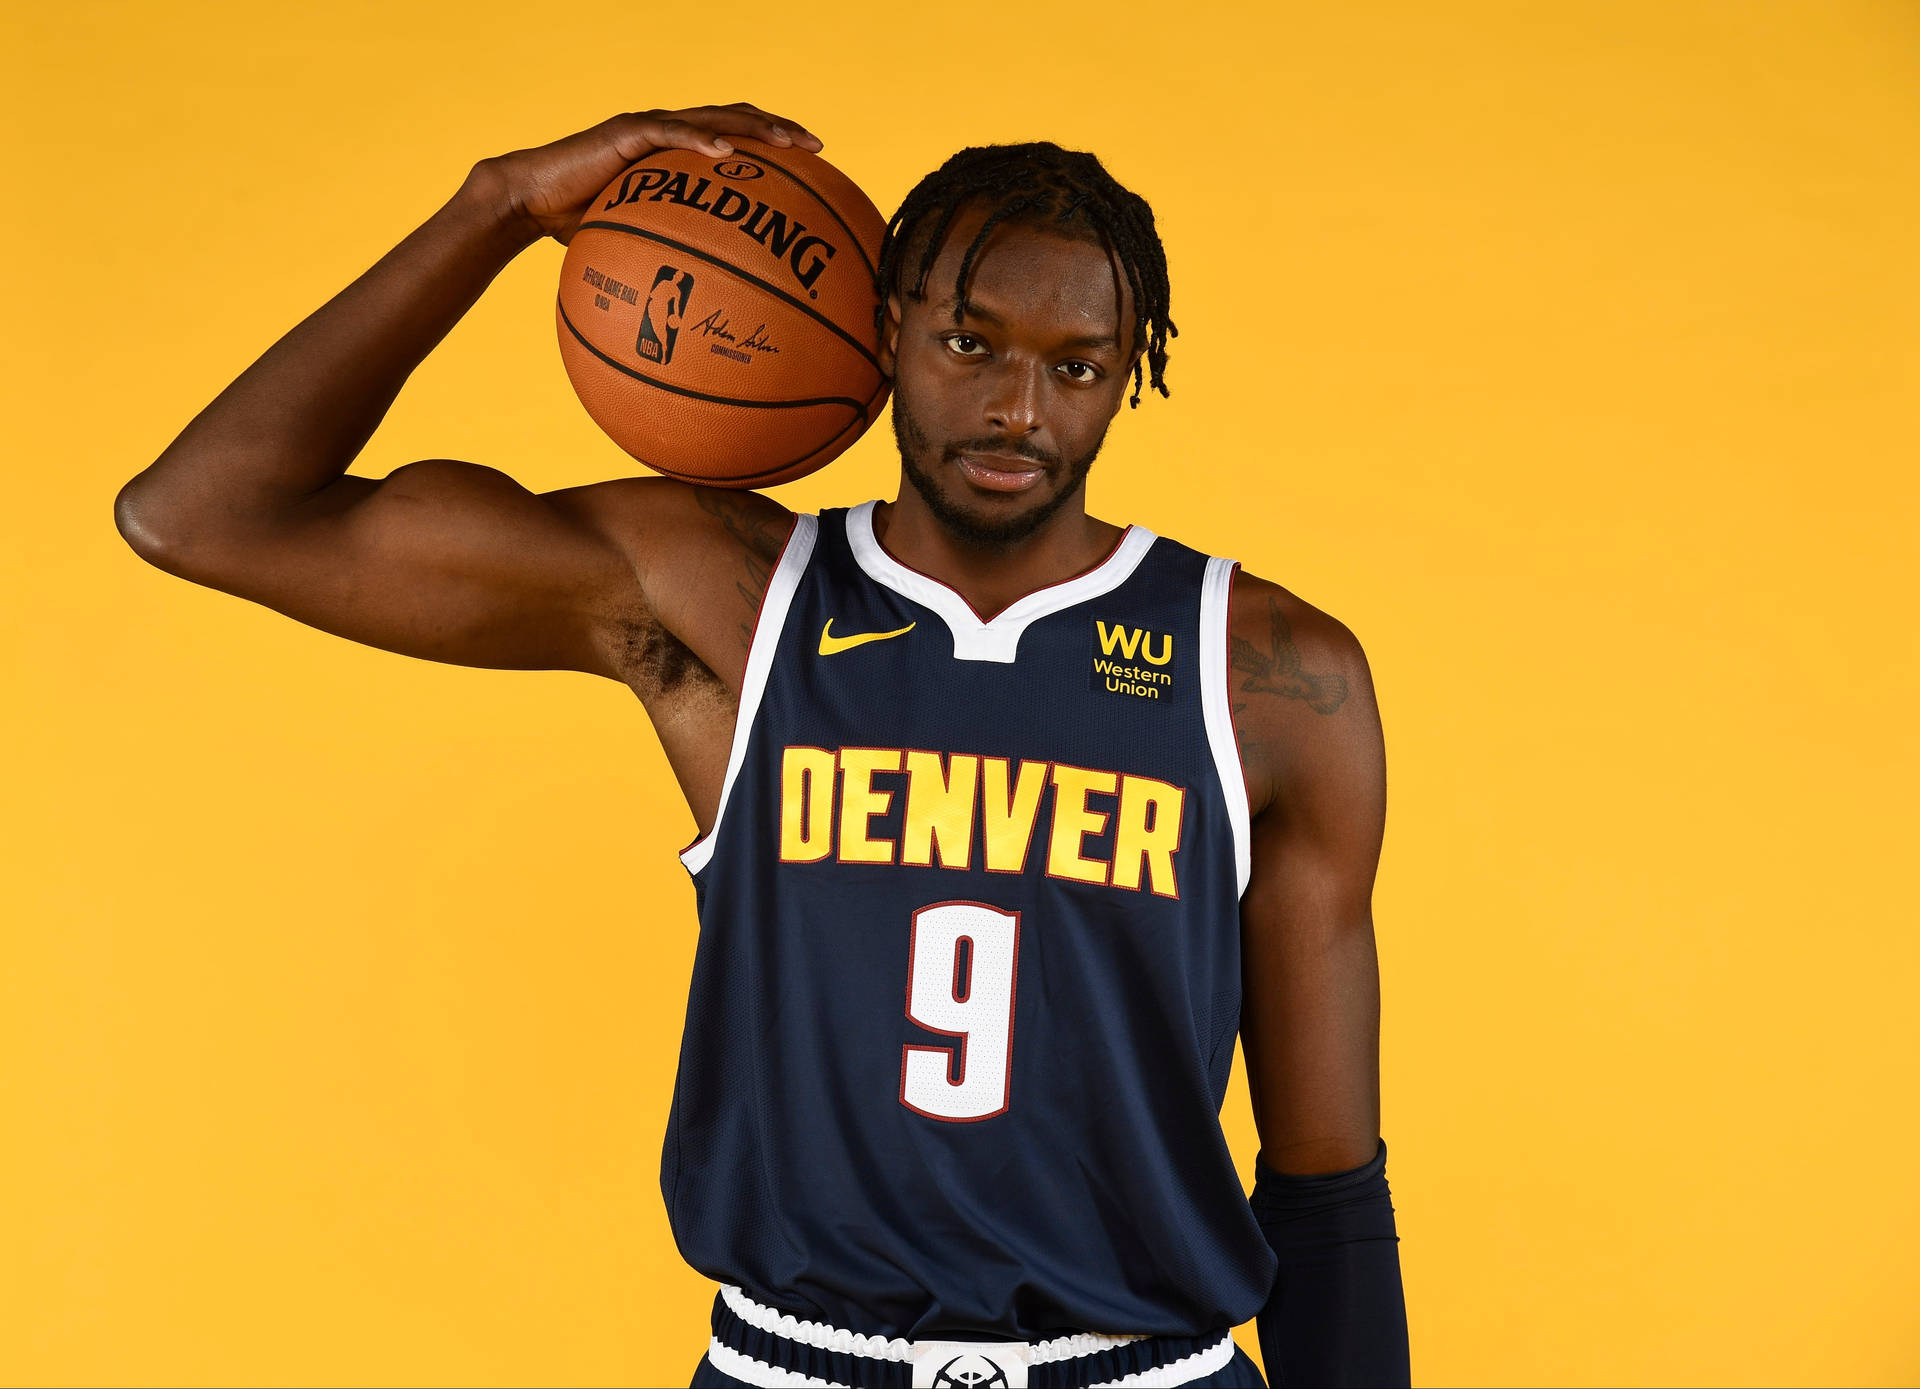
x: 1131, y: 661
x: 921, y: 809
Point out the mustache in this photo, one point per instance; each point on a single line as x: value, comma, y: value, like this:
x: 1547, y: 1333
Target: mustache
x: 1009, y: 447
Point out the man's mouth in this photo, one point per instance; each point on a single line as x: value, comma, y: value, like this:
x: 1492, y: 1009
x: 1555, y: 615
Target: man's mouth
x: 1000, y: 472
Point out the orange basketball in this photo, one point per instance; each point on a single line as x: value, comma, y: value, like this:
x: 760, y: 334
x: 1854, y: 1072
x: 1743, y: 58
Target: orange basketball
x: 717, y: 315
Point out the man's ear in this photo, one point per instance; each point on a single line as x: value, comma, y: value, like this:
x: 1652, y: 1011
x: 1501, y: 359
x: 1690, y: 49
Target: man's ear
x: 890, y: 337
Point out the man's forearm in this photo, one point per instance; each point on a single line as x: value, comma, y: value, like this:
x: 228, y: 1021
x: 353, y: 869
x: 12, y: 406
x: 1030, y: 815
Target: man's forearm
x: 1337, y: 1315
x: 296, y: 419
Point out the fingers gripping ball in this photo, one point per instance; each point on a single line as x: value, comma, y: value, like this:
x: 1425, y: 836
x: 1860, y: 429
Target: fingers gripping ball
x: 716, y: 316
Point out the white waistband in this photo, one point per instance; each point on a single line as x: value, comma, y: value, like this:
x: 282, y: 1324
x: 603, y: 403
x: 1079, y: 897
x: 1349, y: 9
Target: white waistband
x: 747, y: 1370
x: 831, y: 1338
x: 823, y: 1337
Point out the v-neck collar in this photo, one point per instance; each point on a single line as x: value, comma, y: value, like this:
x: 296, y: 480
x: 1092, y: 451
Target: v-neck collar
x: 997, y: 640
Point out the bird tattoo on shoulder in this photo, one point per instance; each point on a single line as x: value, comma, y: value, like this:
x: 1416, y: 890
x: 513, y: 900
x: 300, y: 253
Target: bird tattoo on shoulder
x: 1279, y: 671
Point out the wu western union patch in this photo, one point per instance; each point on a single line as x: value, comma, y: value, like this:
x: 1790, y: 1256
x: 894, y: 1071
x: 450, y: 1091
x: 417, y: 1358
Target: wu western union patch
x: 1132, y: 662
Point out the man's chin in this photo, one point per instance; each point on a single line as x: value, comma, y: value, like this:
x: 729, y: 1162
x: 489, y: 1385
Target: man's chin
x: 974, y: 515
x: 983, y: 516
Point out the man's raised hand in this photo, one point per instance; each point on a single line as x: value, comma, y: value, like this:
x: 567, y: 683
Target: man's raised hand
x: 548, y: 189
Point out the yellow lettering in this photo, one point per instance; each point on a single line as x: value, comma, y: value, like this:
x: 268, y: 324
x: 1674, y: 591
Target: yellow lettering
x: 1148, y: 833
x: 939, y: 808
x: 1072, y: 822
x: 1007, y: 816
x: 806, y: 805
x: 945, y: 792
x: 1126, y: 638
x: 1166, y: 648
x: 859, y: 803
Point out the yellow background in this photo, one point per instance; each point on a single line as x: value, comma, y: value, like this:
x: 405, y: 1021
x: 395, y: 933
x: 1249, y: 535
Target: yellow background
x: 1565, y: 351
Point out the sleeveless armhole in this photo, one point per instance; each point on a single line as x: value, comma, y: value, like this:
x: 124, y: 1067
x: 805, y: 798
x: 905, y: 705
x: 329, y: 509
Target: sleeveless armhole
x: 1216, y: 591
x: 767, y: 627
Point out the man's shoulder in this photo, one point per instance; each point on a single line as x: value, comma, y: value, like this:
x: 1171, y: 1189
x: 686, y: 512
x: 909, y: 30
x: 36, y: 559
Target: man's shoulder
x: 1298, y: 680
x: 1277, y: 638
x: 1268, y: 617
x: 674, y: 516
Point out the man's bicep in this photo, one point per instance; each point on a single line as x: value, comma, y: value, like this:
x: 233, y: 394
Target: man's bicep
x: 1310, y: 1017
x: 441, y: 559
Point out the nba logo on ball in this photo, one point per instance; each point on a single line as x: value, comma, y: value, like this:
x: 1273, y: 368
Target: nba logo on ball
x: 776, y: 368
x: 666, y: 306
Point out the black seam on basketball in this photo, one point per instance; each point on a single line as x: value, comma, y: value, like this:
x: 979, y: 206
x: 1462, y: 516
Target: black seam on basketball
x: 857, y: 407
x: 714, y: 260
x: 807, y: 189
x: 748, y: 479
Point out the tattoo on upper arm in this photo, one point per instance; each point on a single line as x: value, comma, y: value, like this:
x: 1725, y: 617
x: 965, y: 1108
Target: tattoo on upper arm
x: 753, y: 588
x: 1277, y: 671
x: 760, y: 537
x: 1250, y: 746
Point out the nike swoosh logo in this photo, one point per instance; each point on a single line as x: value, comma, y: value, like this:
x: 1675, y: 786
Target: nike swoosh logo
x: 830, y: 644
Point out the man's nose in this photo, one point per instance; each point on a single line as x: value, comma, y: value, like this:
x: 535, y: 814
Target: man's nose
x: 1014, y: 406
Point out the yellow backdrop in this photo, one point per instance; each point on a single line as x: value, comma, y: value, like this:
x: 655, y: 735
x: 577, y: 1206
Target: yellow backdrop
x: 1566, y: 352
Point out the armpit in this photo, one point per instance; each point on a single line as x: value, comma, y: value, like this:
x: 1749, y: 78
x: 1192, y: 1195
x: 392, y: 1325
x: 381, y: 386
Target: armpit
x: 655, y: 663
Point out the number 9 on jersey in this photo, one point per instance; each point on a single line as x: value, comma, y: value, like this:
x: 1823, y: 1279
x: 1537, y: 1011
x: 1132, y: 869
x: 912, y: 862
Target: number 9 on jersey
x: 963, y: 959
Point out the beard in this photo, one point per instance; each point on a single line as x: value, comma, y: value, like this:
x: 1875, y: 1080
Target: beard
x: 983, y: 532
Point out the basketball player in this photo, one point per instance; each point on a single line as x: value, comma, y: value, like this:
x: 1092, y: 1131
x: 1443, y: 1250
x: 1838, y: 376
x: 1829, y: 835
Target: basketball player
x: 1011, y: 818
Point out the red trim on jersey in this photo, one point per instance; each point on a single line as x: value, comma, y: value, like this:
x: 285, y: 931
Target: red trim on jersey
x: 962, y: 969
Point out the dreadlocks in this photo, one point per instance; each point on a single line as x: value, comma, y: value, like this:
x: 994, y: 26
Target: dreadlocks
x: 1037, y: 182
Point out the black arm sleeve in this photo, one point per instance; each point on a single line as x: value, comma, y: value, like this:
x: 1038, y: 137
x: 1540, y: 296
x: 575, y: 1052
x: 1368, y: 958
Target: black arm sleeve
x: 1337, y: 1315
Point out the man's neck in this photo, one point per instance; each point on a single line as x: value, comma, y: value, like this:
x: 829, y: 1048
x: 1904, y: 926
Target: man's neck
x: 992, y: 578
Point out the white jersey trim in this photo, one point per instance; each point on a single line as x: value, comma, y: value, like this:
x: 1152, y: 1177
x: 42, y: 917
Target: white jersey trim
x: 1216, y: 591
x: 771, y: 621
x: 998, y: 640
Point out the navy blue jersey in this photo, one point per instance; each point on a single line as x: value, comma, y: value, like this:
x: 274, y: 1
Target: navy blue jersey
x: 968, y: 979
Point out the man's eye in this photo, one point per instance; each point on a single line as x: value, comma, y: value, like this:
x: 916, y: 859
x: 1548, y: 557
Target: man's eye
x: 966, y: 345
x: 1086, y: 371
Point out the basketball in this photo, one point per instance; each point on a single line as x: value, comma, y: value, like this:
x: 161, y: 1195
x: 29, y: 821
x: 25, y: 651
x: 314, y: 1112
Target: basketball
x: 716, y: 316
